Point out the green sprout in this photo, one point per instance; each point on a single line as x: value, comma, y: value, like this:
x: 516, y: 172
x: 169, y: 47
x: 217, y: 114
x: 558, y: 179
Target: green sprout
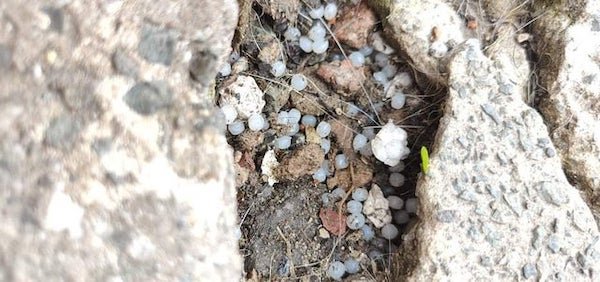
x: 424, y: 159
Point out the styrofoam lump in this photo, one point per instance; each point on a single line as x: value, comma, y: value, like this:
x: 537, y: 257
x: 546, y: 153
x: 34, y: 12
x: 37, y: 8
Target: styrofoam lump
x: 389, y: 145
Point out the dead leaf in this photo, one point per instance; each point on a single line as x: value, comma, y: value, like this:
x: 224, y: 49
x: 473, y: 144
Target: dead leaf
x: 333, y: 221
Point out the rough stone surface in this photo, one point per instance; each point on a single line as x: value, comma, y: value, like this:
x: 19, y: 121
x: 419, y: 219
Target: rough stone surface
x: 245, y: 95
x: 494, y: 205
x: 570, y: 37
x: 112, y: 165
x: 376, y: 207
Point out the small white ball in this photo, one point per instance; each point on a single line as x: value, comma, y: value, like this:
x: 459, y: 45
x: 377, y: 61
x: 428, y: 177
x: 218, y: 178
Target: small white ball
x: 398, y: 101
x: 225, y: 69
x: 390, y: 70
x: 360, y: 194
x: 389, y: 231
x: 404, y: 79
x: 294, y: 116
x: 411, y: 205
x: 397, y: 179
x: 309, y: 120
x: 352, y: 266
x: 320, y: 175
x: 357, y: 59
x: 355, y: 221
x: 255, y: 122
x: 236, y: 127
x: 306, y: 44
x: 323, y: 129
x: 292, y: 34
x: 341, y: 161
x: 317, y: 12
x: 266, y: 124
x: 283, y: 142
x: 293, y: 129
x: 368, y: 232
x: 320, y: 46
x: 395, y: 202
x: 359, y: 141
x: 366, y: 51
x: 380, y: 77
x: 278, y: 68
x: 354, y: 206
x: 282, y: 117
x: 330, y: 11
x: 336, y: 270
x: 298, y: 82
x: 230, y: 113
x: 317, y: 33
x: 338, y: 193
x: 325, y: 145
x: 401, y: 217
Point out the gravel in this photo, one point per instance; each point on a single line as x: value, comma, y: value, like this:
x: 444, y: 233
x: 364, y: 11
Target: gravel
x: 341, y: 161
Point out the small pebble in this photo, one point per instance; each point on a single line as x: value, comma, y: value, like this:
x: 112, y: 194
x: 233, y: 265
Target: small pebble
x: 306, y: 44
x: 320, y: 46
x: 278, y: 68
x: 336, y: 270
x: 396, y: 179
x: 355, y: 221
x: 341, y: 161
x: 283, y: 142
x: 360, y: 194
x: 255, y: 122
x: 330, y: 11
x: 230, y: 113
x: 325, y: 145
x: 236, y: 127
x: 323, y: 129
x: 298, y: 82
x: 411, y: 205
x: 357, y: 59
x: 317, y: 33
x: 292, y: 34
x: 395, y: 202
x: 225, y: 69
x: 354, y: 206
x: 352, y: 266
x: 294, y: 116
x: 368, y: 232
x: 381, y: 60
x: 401, y: 217
x: 317, y: 12
x: 389, y: 231
x: 309, y: 120
x: 398, y: 101
x: 359, y: 142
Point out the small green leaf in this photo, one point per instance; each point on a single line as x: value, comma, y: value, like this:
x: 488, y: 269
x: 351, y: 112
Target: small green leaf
x: 424, y: 159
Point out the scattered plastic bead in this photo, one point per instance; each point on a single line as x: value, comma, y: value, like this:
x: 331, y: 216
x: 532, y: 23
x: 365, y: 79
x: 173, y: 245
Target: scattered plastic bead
x: 352, y: 266
x: 401, y: 217
x: 336, y: 270
x: 359, y: 141
x: 325, y: 145
x: 320, y: 46
x: 236, y: 127
x: 230, y: 113
x: 316, y: 12
x: 341, y: 161
x: 338, y: 193
x: 284, y: 142
x: 255, y: 122
x: 381, y: 60
x: 357, y: 59
x: 360, y: 194
x: 325, y: 166
x: 398, y: 101
x: 389, y: 231
x: 298, y: 82
x: 325, y: 197
x: 306, y: 44
x: 397, y: 179
x: 389, y: 70
x: 309, y: 120
x: 380, y: 77
x: 330, y: 11
x: 278, y: 68
x: 317, y: 33
x: 320, y: 175
x: 366, y: 150
x: 395, y: 202
x: 282, y: 117
x: 366, y: 51
x: 355, y: 221
x: 294, y: 116
x: 354, y: 206
x: 225, y: 69
x: 292, y: 34
x: 368, y: 232
x: 323, y: 129
x: 293, y: 129
x: 411, y: 205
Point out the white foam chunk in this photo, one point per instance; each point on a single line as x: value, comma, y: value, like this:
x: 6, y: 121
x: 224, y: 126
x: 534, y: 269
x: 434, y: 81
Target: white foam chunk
x: 390, y: 144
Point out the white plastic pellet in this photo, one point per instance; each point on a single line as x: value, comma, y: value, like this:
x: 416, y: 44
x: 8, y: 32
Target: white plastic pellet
x: 404, y: 79
x: 278, y: 68
x: 411, y: 205
x: 360, y: 194
x: 325, y: 166
x: 293, y: 129
x: 352, y: 266
x: 330, y: 11
x: 341, y: 161
x: 352, y: 110
x: 354, y: 206
x: 255, y: 122
x: 359, y: 141
x: 381, y: 59
x: 283, y: 142
x: 355, y: 221
x: 325, y: 197
x: 368, y: 232
x: 397, y: 168
x: 357, y: 59
x: 282, y: 117
x: 325, y: 145
x: 230, y: 113
x: 320, y: 175
x: 366, y: 150
x: 401, y: 217
x: 298, y: 82
x: 309, y: 120
x: 389, y: 231
x: 320, y: 46
x: 316, y: 12
x: 380, y: 77
x: 225, y: 69
x: 398, y: 101
x: 389, y: 70
x: 292, y: 34
x: 397, y: 179
x: 366, y: 51
x: 236, y: 127
x: 294, y: 116
x: 336, y: 270
x: 317, y: 32
x: 306, y: 44
x: 323, y: 129
x: 338, y: 193
x: 395, y: 202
